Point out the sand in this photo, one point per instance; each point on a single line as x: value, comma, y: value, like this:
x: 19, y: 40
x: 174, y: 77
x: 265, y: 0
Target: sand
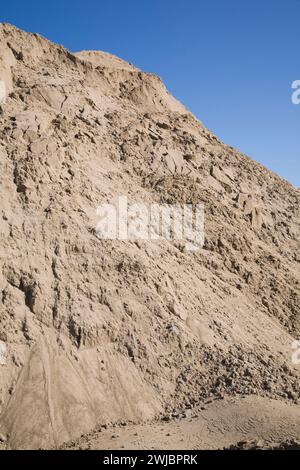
x: 100, y: 332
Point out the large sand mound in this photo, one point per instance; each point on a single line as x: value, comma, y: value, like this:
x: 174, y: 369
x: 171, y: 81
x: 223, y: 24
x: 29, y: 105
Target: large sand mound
x: 100, y: 331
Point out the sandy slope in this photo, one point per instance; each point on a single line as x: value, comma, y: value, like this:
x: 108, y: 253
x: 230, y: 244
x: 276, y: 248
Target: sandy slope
x: 102, y: 331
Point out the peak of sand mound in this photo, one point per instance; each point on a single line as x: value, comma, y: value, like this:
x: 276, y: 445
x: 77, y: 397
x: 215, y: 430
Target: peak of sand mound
x: 95, y: 331
x: 104, y: 59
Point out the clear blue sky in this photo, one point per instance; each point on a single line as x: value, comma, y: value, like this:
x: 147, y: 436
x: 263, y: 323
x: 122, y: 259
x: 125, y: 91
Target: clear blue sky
x: 231, y: 62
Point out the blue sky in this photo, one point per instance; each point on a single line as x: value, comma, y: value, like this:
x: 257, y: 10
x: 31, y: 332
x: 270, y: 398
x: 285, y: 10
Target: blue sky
x: 231, y: 62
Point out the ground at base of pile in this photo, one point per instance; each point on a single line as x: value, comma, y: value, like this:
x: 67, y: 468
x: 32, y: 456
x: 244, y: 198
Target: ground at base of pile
x: 222, y: 424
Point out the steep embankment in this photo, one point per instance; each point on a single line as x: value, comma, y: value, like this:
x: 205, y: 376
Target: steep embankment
x: 101, y: 331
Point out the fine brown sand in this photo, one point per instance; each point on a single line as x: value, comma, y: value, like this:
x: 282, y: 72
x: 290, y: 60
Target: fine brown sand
x: 217, y: 425
x: 101, y: 332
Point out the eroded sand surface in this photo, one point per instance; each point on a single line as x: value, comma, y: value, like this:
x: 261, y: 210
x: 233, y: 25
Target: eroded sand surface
x: 97, y: 331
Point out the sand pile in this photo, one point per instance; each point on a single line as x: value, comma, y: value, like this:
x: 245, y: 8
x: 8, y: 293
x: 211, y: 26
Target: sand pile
x: 98, y: 331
